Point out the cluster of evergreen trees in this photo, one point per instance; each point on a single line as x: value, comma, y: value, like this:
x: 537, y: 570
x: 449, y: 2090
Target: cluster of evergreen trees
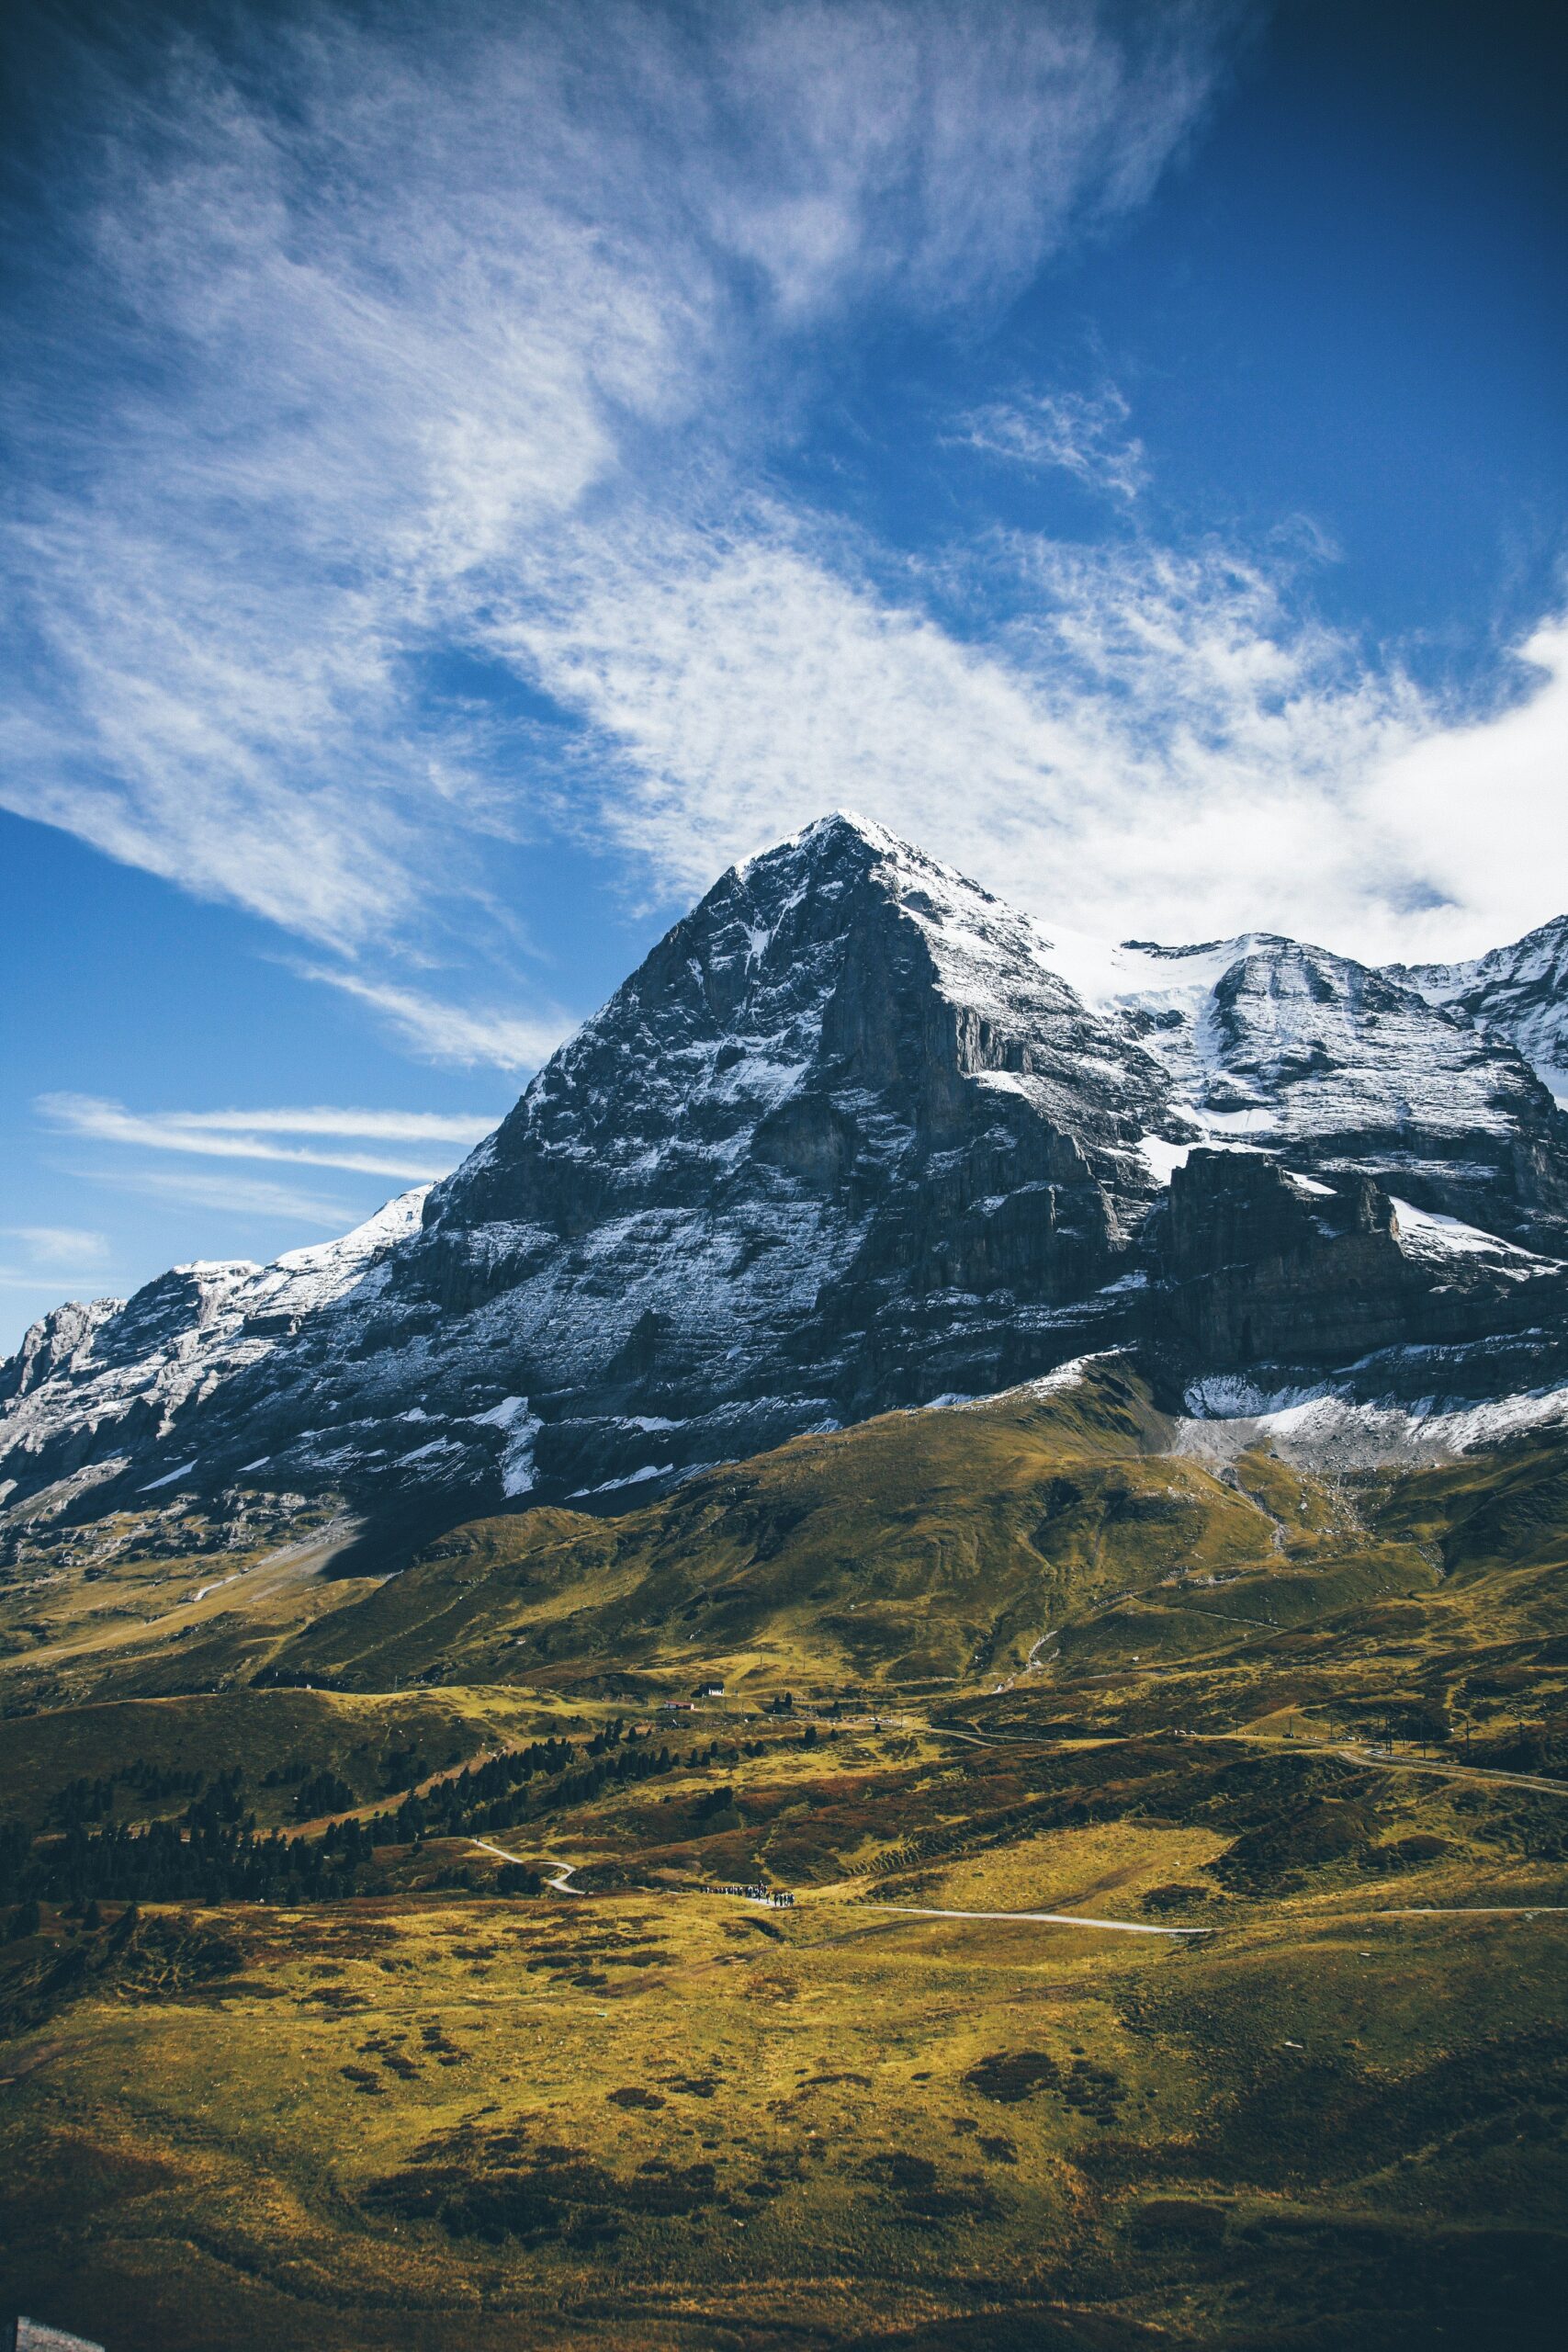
x: 92, y: 1800
x: 497, y: 1795
x: 170, y: 1861
x: 324, y: 1792
x: 213, y: 1853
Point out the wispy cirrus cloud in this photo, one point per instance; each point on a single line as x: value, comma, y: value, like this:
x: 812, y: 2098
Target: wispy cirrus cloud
x: 323, y: 1119
x: 1080, y: 434
x: 256, y: 1134
x: 231, y: 1197
x: 1136, y: 739
x: 58, y: 1244
x: 50, y: 1256
x: 470, y: 1036
x: 387, y: 352
x: 369, y: 333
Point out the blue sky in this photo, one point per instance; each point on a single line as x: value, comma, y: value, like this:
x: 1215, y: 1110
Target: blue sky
x: 473, y: 471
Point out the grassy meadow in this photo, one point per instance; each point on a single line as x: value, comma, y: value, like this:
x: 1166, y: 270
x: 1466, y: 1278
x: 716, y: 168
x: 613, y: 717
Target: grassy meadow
x: 1304, y: 2089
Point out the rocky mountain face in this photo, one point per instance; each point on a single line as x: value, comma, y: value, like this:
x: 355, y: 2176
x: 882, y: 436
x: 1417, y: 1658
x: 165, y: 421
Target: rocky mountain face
x: 1287, y: 1048
x: 1276, y: 1273
x: 855, y: 1134
x: 1519, y: 993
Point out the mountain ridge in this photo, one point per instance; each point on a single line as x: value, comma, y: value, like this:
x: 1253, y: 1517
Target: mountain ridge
x: 855, y: 1133
x: 1519, y: 992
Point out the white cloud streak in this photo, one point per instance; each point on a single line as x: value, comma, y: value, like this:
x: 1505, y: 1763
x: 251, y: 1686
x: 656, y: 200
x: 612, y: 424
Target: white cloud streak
x: 1479, y: 811
x: 53, y: 1258
x: 449, y: 1033
x: 50, y: 1245
x: 380, y: 327
x: 1153, y: 742
x: 10, y: 1279
x: 322, y: 1119
x: 230, y: 1134
x: 405, y: 350
x: 1078, y: 433
x: 232, y: 1196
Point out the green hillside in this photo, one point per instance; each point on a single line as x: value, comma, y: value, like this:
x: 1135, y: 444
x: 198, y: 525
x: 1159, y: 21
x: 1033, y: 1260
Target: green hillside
x: 298, y: 2045
x: 914, y: 1551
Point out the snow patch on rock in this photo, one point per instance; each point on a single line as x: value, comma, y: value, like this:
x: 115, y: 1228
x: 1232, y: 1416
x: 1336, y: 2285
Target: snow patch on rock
x: 522, y: 1428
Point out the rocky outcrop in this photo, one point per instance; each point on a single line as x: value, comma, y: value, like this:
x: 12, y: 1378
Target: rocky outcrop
x: 1518, y: 993
x: 855, y: 1134
x: 1337, y: 1067
x: 1270, y: 1269
x: 56, y: 1346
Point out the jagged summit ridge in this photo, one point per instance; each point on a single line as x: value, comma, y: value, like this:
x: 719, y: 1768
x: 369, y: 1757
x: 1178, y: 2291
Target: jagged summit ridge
x: 1290, y: 1048
x: 1518, y: 993
x: 781, y: 986
x: 847, y: 1079
x: 855, y: 1133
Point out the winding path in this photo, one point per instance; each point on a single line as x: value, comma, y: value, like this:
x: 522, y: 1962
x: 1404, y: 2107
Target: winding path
x: 1056, y: 1919
x: 559, y: 1872
x: 1380, y: 1760
x: 563, y: 1870
x: 1372, y: 1758
x: 1471, y: 1911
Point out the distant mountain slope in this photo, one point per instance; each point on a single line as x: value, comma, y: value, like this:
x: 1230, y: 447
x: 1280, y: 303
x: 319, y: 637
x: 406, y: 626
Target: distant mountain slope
x: 930, y: 1547
x: 1292, y: 1049
x: 1518, y: 993
x: 129, y: 1371
x: 1063, y: 1527
x: 855, y: 1134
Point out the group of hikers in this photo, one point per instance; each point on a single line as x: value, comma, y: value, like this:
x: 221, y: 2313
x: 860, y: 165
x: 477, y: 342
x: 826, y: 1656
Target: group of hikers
x: 778, y: 1897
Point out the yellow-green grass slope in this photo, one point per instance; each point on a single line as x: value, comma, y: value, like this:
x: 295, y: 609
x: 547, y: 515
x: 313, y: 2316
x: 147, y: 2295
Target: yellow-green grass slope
x: 647, y: 2117
x: 916, y: 1551
x: 148, y: 1621
x: 372, y: 1744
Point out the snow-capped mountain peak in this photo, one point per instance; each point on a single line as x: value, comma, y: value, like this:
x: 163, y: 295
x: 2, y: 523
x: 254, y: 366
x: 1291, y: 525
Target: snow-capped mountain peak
x: 855, y: 1133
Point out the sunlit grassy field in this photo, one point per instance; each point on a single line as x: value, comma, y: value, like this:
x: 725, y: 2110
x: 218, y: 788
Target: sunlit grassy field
x: 1303, y: 2088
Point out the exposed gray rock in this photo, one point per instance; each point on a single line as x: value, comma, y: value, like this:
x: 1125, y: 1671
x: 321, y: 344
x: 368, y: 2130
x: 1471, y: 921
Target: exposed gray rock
x: 1519, y: 993
x: 1270, y: 1268
x: 852, y: 1137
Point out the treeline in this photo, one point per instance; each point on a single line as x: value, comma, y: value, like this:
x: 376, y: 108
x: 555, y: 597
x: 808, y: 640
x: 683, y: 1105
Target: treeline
x: 214, y: 1796
x: 499, y: 1794
x: 317, y: 1790
x: 170, y: 1862
x: 92, y: 1800
x: 213, y: 1852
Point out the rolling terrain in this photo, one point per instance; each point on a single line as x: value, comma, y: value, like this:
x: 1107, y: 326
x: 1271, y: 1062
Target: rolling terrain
x: 301, y: 2044
x: 1053, y: 1458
